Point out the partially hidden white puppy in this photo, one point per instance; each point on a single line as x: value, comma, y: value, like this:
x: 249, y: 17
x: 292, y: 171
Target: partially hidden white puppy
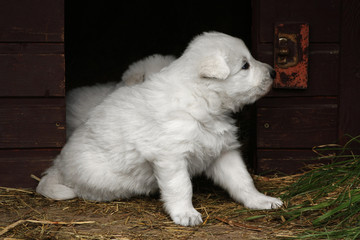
x: 80, y: 101
x: 158, y: 134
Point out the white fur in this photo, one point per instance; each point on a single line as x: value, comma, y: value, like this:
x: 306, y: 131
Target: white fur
x: 80, y: 101
x: 158, y: 134
x: 140, y: 70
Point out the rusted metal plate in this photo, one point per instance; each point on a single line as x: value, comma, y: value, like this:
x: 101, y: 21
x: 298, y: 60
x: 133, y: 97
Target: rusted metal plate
x: 291, y: 48
x: 323, y: 71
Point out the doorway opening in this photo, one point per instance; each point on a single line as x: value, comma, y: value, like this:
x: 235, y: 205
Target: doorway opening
x: 102, y: 39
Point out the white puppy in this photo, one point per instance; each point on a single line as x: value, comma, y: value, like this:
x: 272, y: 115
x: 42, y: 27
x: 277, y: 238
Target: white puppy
x: 80, y: 101
x: 158, y: 134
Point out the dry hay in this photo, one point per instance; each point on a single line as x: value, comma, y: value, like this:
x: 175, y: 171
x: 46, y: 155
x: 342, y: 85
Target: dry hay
x: 26, y: 215
x: 321, y: 204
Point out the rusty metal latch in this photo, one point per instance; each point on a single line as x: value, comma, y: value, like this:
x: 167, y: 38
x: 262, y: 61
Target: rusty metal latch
x: 291, y: 45
x: 287, y: 55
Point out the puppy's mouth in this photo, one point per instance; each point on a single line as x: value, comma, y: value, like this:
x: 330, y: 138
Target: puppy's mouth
x: 267, y: 82
x: 266, y: 85
x: 260, y: 90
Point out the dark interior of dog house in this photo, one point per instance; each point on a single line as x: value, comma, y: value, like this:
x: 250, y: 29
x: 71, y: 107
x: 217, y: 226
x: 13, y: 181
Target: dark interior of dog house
x: 102, y: 39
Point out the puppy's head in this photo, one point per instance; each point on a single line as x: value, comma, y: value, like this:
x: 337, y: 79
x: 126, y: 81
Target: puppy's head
x: 226, y: 66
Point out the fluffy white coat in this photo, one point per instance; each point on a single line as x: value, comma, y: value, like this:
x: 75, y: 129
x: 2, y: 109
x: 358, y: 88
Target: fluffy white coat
x: 80, y: 101
x: 158, y: 134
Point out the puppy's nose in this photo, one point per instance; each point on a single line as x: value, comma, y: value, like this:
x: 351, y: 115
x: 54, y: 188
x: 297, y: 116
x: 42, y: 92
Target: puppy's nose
x: 272, y: 74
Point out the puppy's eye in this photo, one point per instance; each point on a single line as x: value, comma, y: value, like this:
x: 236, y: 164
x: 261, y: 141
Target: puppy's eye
x: 246, y: 66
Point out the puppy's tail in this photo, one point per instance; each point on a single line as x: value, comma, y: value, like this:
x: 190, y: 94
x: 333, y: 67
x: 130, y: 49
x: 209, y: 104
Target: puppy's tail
x: 50, y: 186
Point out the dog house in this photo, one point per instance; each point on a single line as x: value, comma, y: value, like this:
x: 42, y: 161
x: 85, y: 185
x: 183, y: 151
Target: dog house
x: 312, y: 44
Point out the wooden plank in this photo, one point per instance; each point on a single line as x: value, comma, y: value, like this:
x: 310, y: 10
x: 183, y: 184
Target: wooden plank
x: 17, y: 165
x: 32, y: 21
x: 32, y: 123
x: 287, y: 161
x: 291, y: 124
x: 324, y: 27
x: 32, y: 70
x: 31, y: 48
x: 296, y: 101
x: 349, y: 110
x: 323, y: 70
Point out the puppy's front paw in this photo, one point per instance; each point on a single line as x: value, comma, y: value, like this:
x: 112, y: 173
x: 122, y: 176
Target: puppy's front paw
x: 263, y: 202
x: 187, y: 218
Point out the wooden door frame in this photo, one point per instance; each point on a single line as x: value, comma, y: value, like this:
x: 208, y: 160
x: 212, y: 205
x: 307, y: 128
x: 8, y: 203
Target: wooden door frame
x: 349, y: 79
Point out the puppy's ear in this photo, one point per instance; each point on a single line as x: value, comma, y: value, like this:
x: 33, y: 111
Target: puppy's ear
x: 214, y: 67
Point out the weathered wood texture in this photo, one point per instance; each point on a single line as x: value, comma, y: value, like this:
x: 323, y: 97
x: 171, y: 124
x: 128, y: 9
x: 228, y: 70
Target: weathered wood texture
x: 349, y: 122
x: 296, y: 124
x: 32, y: 88
x: 32, y: 21
x: 32, y: 70
x: 288, y: 161
x: 17, y: 165
x: 32, y: 123
x: 323, y: 17
x: 293, y: 121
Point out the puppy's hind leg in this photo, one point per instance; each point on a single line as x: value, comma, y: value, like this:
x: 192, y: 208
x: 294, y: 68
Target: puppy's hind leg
x: 229, y: 171
x: 50, y: 186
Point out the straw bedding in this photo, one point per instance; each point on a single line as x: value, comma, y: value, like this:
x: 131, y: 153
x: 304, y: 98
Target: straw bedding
x: 26, y: 215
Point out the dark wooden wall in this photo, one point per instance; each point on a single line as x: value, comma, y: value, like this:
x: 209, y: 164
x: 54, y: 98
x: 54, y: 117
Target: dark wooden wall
x: 291, y: 122
x: 349, y: 97
x: 32, y: 88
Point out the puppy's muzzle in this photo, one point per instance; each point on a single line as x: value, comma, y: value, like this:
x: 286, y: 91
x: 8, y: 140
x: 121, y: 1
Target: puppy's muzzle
x: 267, y: 82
